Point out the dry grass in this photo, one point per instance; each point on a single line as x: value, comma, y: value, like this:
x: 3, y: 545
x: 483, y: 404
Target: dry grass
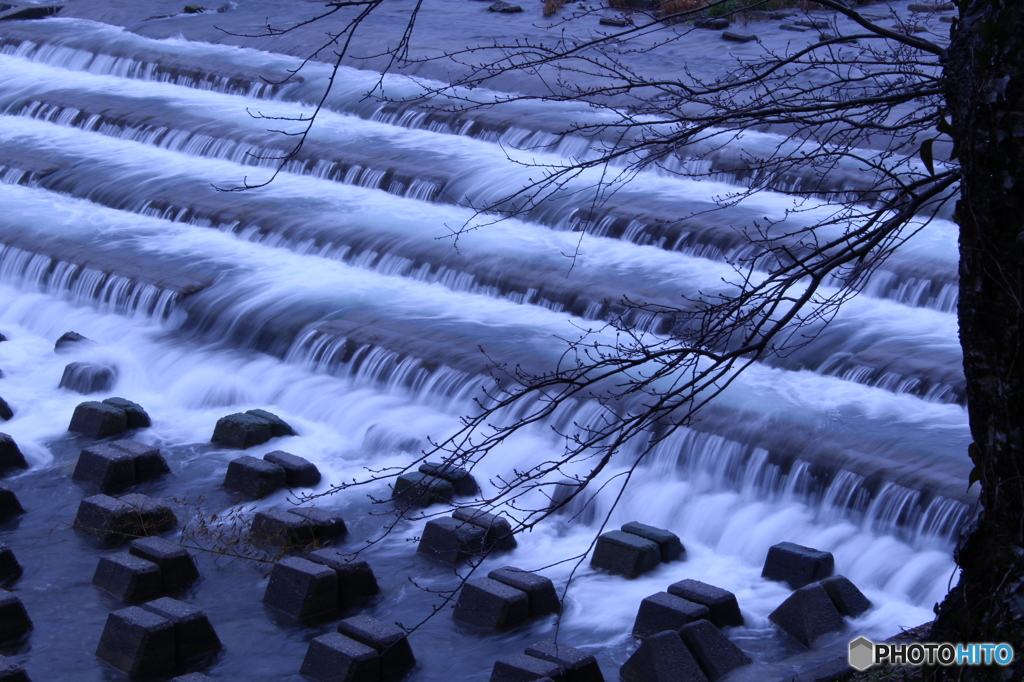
x: 552, y: 6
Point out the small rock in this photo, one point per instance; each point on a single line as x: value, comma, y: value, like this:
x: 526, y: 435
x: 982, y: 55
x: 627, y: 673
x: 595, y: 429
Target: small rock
x: 621, y: 22
x: 504, y: 7
x: 11, y: 458
x: 739, y: 37
x: 6, y: 412
x: 69, y: 340
x: 715, y: 24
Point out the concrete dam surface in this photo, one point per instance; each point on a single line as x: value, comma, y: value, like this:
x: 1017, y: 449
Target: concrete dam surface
x: 334, y: 302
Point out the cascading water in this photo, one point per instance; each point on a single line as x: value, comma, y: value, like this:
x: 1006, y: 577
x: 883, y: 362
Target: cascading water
x: 328, y: 298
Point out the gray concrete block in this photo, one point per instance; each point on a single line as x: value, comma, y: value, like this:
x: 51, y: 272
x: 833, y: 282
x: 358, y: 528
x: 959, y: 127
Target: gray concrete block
x: 136, y: 641
x: 116, y: 521
x: 715, y: 653
x: 578, y: 666
x: 254, y: 478
x: 797, y: 565
x: 625, y: 554
x: 87, y: 377
x: 137, y: 417
x: 14, y: 620
x: 323, y: 525
x: 194, y: 636
x: 462, y: 481
x: 149, y: 463
x: 538, y: 588
x: 9, y: 503
x: 488, y: 604
x: 98, y: 420
x: 299, y: 472
x: 11, y: 458
x: 669, y: 544
x: 128, y: 577
x: 421, y: 490
x: 110, y: 469
x: 336, y: 658
x: 355, y: 577
x: 664, y: 611
x: 177, y: 566
x: 68, y: 341
x: 9, y: 566
x: 278, y: 426
x: 6, y: 412
x: 725, y: 611
x: 451, y: 541
x: 662, y: 658
x: 302, y: 588
x: 499, y: 531
x: 523, y: 668
x: 807, y: 614
x: 389, y: 641
x: 848, y: 600
x: 240, y: 431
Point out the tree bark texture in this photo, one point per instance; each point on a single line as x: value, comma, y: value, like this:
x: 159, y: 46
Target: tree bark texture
x: 984, y: 82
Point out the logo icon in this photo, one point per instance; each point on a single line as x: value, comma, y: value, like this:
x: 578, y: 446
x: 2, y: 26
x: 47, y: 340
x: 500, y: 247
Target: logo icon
x: 862, y: 653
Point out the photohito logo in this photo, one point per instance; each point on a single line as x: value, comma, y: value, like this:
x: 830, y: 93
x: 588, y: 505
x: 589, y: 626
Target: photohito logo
x: 864, y: 653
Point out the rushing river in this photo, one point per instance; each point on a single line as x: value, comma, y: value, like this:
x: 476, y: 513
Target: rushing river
x: 328, y: 298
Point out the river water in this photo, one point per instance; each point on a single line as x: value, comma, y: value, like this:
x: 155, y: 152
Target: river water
x: 332, y: 298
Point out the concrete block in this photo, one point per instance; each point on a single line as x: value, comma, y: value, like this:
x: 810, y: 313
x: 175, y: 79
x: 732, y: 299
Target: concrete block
x: 662, y: 658
x: 254, y: 478
x: 302, y: 588
x: 725, y: 611
x: 9, y: 566
x: 128, y: 577
x: 336, y: 658
x: 11, y: 458
x: 523, y: 668
x: 664, y: 611
x: 240, y: 431
x: 278, y: 426
x: 807, y: 614
x: 669, y: 544
x: 714, y: 652
x: 6, y: 412
x: 488, y: 604
x: 848, y: 600
x: 421, y: 490
x: 323, y: 525
x: 177, y: 567
x: 797, y: 565
x: 625, y: 554
x: 149, y: 463
x: 116, y: 521
x: 108, y: 468
x: 69, y: 340
x: 299, y: 472
x: 194, y: 636
x: 87, y: 377
x: 14, y: 620
x: 137, y: 641
x: 539, y: 589
x: 9, y: 503
x: 355, y: 577
x: 499, y: 531
x: 98, y: 420
x: 137, y: 417
x: 298, y: 528
x: 451, y: 541
x: 578, y: 666
x: 389, y: 641
x: 462, y: 481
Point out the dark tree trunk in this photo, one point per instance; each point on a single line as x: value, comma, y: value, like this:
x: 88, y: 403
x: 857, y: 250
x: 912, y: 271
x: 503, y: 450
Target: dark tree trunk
x: 984, y: 80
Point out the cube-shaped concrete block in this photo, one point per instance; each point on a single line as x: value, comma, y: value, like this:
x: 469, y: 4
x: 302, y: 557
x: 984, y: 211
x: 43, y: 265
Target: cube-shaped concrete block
x: 149, y: 463
x: 10, y: 671
x: 669, y: 544
x: 137, y: 642
x: 714, y: 652
x: 797, y: 565
x: 451, y: 541
x: 540, y: 590
x: 725, y: 611
x: 625, y: 554
x: 177, y: 566
x: 240, y: 431
x: 9, y: 503
x: 462, y: 481
x: 128, y: 577
x: 336, y: 658
x: 11, y: 458
x: 87, y: 377
x: 254, y: 478
x: 108, y: 468
x: 807, y: 614
x: 278, y: 426
x: 98, y: 420
x: 302, y: 588
x: 389, y: 641
x: 9, y: 566
x: 848, y: 600
x: 136, y: 415
x: 499, y: 530
x: 579, y: 666
x: 322, y: 524
x: 116, y: 521
x: 299, y: 472
x: 279, y: 527
x: 14, y: 620
x: 194, y: 636
x: 664, y: 611
x: 662, y: 658
x: 356, y: 580
x: 491, y: 605
x: 421, y: 490
x: 518, y: 667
